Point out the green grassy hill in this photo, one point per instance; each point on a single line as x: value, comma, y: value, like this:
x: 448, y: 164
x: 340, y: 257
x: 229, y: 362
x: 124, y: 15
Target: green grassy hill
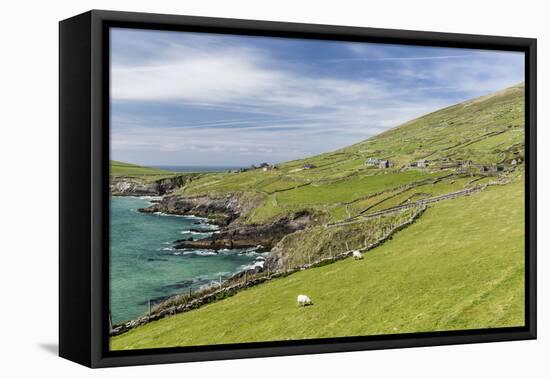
x: 459, y: 266
x: 485, y: 131
x: 136, y: 171
x: 452, y: 269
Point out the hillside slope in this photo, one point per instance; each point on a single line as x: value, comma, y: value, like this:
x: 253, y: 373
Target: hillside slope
x: 134, y: 180
x: 458, y: 149
x: 452, y: 269
x: 459, y: 266
x: 118, y: 168
x: 467, y: 141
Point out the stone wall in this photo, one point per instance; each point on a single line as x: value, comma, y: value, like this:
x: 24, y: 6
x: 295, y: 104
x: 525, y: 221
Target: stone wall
x: 247, y: 281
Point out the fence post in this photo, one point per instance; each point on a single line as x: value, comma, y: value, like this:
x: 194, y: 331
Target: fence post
x: 220, y: 280
x: 149, y: 307
x: 110, y: 322
x: 190, y: 292
x: 245, y: 277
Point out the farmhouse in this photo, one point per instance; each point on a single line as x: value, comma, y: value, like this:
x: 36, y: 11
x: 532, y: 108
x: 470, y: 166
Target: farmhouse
x: 372, y: 162
x: 308, y: 166
x: 384, y: 164
x: 422, y: 163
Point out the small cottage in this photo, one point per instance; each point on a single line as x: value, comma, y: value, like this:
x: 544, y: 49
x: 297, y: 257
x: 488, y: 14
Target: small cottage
x: 422, y: 163
x: 308, y: 166
x: 372, y: 162
x: 383, y: 164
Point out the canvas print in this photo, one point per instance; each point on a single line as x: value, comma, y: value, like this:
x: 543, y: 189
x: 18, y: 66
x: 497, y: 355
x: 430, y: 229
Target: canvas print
x: 271, y: 189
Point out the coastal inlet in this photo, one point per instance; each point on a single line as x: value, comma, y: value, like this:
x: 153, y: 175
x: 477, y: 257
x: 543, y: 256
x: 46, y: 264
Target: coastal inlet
x: 144, y: 265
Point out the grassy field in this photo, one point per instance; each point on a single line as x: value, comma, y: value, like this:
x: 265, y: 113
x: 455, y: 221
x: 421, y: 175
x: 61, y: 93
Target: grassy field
x: 452, y: 269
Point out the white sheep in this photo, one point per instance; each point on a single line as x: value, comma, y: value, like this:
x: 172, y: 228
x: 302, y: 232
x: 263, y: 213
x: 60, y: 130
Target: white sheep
x: 304, y: 300
x: 357, y: 255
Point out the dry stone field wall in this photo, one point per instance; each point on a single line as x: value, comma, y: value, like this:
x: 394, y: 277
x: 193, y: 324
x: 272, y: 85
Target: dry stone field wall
x: 185, y: 303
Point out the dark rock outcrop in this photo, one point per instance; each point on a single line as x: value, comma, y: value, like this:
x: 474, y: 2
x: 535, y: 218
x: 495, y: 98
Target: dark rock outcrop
x: 225, y: 211
x: 131, y: 186
x: 124, y: 186
x: 218, y: 210
x: 244, y: 236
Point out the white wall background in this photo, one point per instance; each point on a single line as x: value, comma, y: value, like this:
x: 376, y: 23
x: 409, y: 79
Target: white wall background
x: 29, y: 189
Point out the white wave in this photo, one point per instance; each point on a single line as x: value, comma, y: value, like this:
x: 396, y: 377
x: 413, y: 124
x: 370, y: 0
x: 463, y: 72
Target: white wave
x: 253, y: 251
x: 188, y: 253
x: 199, y: 252
x: 253, y: 265
x: 161, y: 214
x: 187, y: 232
x: 151, y: 198
x: 199, y: 233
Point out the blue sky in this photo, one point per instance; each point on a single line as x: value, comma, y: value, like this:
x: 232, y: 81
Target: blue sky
x: 208, y: 99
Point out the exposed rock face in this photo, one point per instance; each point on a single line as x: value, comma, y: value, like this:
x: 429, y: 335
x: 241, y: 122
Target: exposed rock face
x: 225, y: 211
x: 169, y: 184
x: 130, y: 186
x: 220, y: 210
x: 243, y: 236
x: 274, y: 260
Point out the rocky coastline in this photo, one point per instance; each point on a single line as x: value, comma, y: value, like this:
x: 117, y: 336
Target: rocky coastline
x: 135, y: 187
x: 220, y: 211
x: 225, y: 212
x: 266, y: 236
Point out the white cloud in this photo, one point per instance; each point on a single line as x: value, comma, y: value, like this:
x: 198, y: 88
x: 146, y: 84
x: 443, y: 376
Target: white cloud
x: 234, y: 78
x: 292, y: 113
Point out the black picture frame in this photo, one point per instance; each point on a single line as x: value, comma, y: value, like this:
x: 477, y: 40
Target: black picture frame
x: 84, y: 177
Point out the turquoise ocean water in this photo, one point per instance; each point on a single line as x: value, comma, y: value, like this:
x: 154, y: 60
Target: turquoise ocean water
x: 143, y: 264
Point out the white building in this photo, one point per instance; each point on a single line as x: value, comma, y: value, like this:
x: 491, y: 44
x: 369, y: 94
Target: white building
x: 422, y: 163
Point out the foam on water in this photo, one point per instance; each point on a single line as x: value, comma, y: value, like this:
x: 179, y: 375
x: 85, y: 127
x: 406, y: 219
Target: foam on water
x: 145, y: 265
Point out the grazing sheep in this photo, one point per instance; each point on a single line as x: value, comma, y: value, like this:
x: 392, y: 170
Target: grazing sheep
x: 357, y: 255
x: 304, y: 300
